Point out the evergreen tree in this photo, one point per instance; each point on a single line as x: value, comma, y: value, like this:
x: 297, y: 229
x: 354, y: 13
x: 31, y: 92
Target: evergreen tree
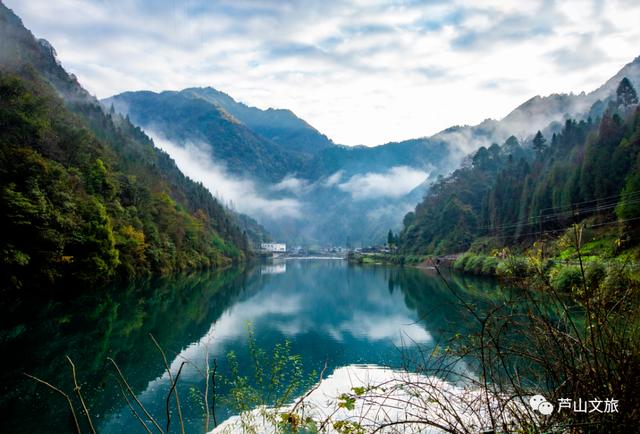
x: 481, y: 158
x: 539, y: 143
x: 626, y: 94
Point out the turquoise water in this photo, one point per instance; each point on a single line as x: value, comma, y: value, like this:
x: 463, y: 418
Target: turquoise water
x: 328, y: 310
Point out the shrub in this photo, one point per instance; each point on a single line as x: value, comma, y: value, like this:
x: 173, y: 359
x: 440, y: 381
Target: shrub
x: 461, y: 262
x: 594, y: 274
x: 514, y: 267
x: 566, y: 279
x: 474, y: 264
x: 617, y: 282
x: 489, y: 265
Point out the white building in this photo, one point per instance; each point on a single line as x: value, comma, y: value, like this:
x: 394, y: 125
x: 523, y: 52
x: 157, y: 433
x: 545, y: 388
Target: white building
x: 274, y: 247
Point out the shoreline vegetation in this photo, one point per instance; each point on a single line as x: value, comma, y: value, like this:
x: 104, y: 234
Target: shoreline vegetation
x: 597, y: 254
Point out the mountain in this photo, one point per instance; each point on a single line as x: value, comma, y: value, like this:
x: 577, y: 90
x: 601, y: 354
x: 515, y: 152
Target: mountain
x: 512, y: 194
x: 185, y: 116
x: 280, y: 126
x: 333, y: 192
x: 86, y: 196
x: 539, y: 112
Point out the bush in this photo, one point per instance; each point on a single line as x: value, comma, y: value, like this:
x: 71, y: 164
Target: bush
x: 461, y: 262
x: 617, y: 282
x: 514, y: 267
x: 566, y: 279
x: 594, y: 274
x: 474, y: 264
x: 489, y: 265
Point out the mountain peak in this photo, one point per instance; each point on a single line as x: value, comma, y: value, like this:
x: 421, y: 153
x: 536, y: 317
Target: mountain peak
x: 280, y: 126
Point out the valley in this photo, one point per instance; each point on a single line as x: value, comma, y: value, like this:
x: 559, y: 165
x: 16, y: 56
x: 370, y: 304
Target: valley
x: 185, y: 261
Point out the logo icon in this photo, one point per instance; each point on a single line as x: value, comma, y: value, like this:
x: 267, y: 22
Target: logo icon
x: 540, y: 404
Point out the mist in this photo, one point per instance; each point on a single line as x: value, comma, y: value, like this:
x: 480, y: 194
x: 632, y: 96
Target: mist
x: 242, y: 194
x: 394, y: 183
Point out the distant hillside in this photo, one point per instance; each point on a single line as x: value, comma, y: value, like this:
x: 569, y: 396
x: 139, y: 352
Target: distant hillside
x: 538, y: 112
x: 289, y: 162
x: 514, y: 193
x: 86, y: 197
x: 280, y: 126
x: 185, y: 117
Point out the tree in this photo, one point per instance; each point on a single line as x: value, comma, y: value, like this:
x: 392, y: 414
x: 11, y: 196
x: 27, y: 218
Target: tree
x: 628, y: 207
x: 626, y: 94
x: 539, y: 143
x: 481, y: 158
x: 390, y: 238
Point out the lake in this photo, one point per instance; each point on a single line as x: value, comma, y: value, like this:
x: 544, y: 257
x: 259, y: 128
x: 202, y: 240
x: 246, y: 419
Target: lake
x: 329, y: 311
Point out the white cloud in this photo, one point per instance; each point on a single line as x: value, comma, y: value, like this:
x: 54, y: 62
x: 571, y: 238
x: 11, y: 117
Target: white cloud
x: 381, y: 328
x: 395, y: 182
x: 293, y: 185
x: 242, y: 194
x: 360, y: 72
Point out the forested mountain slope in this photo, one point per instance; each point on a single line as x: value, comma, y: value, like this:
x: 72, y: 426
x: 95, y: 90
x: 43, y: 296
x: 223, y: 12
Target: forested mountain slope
x: 513, y: 193
x: 280, y: 126
x: 86, y: 197
x: 333, y: 193
x: 186, y: 117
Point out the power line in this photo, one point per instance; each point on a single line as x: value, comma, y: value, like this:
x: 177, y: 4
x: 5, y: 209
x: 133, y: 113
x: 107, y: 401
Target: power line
x: 552, y: 231
x: 593, y: 200
x: 533, y: 220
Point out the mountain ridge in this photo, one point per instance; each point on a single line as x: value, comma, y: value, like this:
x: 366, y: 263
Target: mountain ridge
x: 88, y: 198
x: 275, y: 164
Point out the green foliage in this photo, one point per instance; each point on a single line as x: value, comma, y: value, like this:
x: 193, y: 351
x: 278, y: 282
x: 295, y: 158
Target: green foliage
x: 595, y: 272
x: 629, y: 206
x: 275, y: 379
x: 514, y: 268
x: 346, y: 401
x: 474, y: 264
x: 619, y: 286
x: 509, y: 195
x: 625, y: 93
x: 348, y: 427
x: 490, y: 265
x: 80, y: 211
x: 461, y: 262
x: 391, y: 238
x: 481, y: 265
x: 539, y: 143
x: 566, y: 279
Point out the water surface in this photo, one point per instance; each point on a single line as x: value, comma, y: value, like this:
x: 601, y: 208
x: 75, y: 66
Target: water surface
x: 329, y: 311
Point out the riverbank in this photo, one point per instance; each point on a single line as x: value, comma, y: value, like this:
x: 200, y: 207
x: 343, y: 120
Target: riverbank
x: 386, y: 259
x: 578, y: 257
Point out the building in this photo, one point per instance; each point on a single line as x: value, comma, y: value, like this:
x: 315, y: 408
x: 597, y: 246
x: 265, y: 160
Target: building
x: 273, y: 247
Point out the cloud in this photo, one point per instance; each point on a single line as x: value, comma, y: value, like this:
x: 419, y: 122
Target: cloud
x: 241, y: 194
x: 392, y: 211
x: 293, y: 185
x: 395, y: 182
x: 360, y: 72
x: 333, y: 179
x: 584, y: 48
x: 382, y: 328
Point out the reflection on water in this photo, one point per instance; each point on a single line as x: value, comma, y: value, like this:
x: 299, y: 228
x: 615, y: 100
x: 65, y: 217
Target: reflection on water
x: 328, y: 310
x: 275, y: 268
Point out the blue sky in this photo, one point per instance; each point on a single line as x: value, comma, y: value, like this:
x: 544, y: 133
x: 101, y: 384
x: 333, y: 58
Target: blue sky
x: 362, y: 72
